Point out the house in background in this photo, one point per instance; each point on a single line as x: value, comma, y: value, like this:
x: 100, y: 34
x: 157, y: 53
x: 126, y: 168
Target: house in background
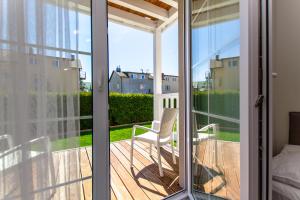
x: 140, y: 82
x: 224, y: 73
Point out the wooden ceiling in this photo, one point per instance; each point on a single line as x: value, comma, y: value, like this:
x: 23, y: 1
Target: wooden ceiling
x: 131, y: 11
x: 160, y: 4
x: 144, y: 14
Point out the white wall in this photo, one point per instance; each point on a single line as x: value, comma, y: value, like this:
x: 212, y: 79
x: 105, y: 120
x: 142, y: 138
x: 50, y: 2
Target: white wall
x: 286, y: 62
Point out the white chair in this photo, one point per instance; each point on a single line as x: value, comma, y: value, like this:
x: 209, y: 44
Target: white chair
x: 201, y: 135
x: 6, y: 142
x: 158, y: 135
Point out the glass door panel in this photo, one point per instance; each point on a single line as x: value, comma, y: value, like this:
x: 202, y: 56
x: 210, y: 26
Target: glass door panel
x: 45, y: 99
x: 215, y: 98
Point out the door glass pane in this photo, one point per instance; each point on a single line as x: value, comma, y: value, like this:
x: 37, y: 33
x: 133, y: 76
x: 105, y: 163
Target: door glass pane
x: 45, y: 99
x: 215, y: 98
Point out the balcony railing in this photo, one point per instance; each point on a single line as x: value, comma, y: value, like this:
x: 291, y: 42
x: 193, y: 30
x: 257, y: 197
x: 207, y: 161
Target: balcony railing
x: 171, y: 100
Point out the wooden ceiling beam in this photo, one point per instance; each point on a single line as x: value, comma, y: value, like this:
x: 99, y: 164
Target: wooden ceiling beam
x: 127, y: 18
x: 173, y: 15
x: 172, y: 3
x: 143, y: 7
x: 216, y: 6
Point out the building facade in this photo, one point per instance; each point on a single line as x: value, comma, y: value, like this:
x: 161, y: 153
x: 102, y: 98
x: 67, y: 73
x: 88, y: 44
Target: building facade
x: 225, y: 73
x: 137, y: 82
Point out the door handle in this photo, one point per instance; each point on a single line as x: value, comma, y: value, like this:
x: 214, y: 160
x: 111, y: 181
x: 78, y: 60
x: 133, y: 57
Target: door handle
x: 259, y: 100
x: 101, y: 81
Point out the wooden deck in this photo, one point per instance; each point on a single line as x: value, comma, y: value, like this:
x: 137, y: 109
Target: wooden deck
x: 140, y: 182
x: 220, y: 176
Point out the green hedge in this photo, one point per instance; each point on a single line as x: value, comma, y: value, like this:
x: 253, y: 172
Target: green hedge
x: 134, y: 108
x: 123, y: 109
x: 130, y: 108
x: 224, y: 103
x: 86, y: 109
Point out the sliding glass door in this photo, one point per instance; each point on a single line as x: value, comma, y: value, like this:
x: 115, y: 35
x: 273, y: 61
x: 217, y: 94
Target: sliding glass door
x: 215, y: 94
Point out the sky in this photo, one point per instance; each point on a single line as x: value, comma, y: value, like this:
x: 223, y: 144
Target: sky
x: 132, y: 49
x: 221, y: 39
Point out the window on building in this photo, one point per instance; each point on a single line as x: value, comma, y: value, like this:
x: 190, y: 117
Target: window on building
x: 235, y: 63
x: 55, y: 63
x: 142, y: 86
x: 133, y: 76
x: 142, y: 76
x: 168, y: 88
x: 174, y: 79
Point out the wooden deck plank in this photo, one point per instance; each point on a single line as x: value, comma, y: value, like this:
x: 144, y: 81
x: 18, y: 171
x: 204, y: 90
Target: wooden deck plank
x: 199, y: 152
x: 207, y: 167
x: 145, y: 153
x: 220, y: 168
x: 231, y: 160
x: 166, y: 155
x: 169, y: 177
x: 141, y: 181
x: 86, y: 171
x: 112, y: 194
x: 67, y: 169
x: 226, y: 182
x: 152, y: 177
x: 118, y: 186
x: 133, y: 188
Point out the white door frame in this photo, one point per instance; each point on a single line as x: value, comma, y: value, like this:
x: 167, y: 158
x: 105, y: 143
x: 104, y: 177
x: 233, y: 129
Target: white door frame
x: 249, y: 65
x: 101, y: 169
x: 248, y: 73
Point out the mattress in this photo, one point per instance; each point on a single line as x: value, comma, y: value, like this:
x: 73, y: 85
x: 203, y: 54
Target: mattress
x: 285, y: 192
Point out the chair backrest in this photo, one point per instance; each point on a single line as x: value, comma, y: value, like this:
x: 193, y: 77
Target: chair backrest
x: 6, y: 142
x: 167, y: 122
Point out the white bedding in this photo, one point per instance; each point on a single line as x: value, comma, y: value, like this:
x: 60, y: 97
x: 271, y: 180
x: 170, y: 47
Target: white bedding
x: 286, y: 168
x: 285, y: 192
x: 286, y: 174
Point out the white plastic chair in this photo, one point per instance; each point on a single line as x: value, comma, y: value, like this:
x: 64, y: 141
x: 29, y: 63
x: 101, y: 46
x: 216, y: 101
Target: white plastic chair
x: 201, y: 135
x: 7, y: 139
x: 158, y: 135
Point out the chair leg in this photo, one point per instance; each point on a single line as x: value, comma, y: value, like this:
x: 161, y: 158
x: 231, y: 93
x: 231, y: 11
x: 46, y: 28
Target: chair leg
x: 150, y: 150
x: 161, y: 173
x: 131, y: 152
x: 173, y: 153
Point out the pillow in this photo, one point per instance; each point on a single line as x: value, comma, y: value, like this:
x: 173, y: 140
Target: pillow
x: 286, y: 168
x: 290, y: 148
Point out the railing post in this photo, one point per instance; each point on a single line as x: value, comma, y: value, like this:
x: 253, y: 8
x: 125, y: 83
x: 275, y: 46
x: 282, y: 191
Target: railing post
x: 157, y: 75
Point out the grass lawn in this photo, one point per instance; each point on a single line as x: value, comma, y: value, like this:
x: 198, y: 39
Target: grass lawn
x: 229, y: 136
x: 116, y: 134
x: 123, y: 133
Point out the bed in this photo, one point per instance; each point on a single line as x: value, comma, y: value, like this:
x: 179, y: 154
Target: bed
x: 286, y: 165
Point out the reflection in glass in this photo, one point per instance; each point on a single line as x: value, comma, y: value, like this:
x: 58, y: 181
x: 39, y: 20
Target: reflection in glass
x: 40, y: 100
x: 215, y: 98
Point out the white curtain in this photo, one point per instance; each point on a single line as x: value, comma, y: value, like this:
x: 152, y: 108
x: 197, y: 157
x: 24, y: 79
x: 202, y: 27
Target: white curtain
x: 39, y: 99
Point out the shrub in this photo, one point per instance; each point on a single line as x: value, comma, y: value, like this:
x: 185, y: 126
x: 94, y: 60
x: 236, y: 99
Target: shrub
x: 223, y: 103
x: 123, y: 109
x: 86, y: 109
x: 130, y: 108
